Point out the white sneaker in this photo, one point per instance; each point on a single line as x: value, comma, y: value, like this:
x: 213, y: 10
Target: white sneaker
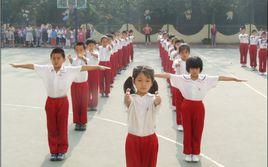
x: 180, y: 128
x: 188, y: 158
x: 195, y: 158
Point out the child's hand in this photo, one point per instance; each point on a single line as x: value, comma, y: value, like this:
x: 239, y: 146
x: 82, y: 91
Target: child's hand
x: 104, y: 68
x: 157, y: 99
x: 128, y: 98
x: 70, y: 57
x: 80, y: 55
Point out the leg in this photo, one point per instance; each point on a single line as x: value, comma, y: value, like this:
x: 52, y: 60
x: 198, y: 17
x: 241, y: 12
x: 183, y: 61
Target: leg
x: 75, y: 102
x: 132, y: 152
x: 83, y: 103
x: 187, y: 125
x: 149, y: 151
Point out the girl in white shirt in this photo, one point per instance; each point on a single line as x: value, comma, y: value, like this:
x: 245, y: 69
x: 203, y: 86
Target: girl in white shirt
x: 57, y: 79
x: 243, y: 47
x: 193, y: 87
x: 93, y: 76
x: 253, y: 42
x: 79, y: 88
x: 142, y: 103
x: 263, y: 53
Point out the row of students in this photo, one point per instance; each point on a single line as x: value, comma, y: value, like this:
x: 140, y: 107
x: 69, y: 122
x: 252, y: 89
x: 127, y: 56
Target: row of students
x: 91, y: 65
x: 188, y: 88
x: 255, y: 44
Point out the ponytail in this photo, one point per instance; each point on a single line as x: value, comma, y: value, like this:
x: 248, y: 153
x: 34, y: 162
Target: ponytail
x: 129, y: 85
x: 154, y: 87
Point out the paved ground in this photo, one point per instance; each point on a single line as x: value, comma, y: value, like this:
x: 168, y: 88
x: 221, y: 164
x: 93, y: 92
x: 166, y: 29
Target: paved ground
x: 235, y: 133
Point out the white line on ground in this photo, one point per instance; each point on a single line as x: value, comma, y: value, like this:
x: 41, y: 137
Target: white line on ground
x: 246, y: 84
x: 124, y: 124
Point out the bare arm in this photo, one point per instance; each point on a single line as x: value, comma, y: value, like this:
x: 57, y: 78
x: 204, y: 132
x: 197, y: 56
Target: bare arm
x: 127, y: 99
x: 224, y: 78
x: 90, y: 68
x: 163, y: 75
x: 26, y: 66
x: 70, y: 59
x: 157, y: 100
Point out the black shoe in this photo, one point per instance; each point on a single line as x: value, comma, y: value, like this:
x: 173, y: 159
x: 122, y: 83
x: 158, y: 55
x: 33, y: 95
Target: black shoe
x: 107, y: 95
x: 111, y: 86
x: 93, y: 109
x: 61, y: 157
x: 83, y: 127
x: 102, y: 95
x: 53, y: 157
x: 77, y: 127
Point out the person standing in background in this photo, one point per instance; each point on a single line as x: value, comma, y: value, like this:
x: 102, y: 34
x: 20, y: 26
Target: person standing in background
x: 213, y: 32
x: 147, y: 31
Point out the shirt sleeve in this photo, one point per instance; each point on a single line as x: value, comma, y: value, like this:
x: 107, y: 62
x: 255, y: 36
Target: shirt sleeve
x: 212, y: 81
x: 175, y: 81
x: 41, y: 70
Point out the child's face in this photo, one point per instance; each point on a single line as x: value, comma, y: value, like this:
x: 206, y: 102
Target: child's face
x: 104, y: 41
x: 184, y: 54
x: 91, y: 46
x: 79, y: 49
x: 143, y: 83
x: 243, y: 31
x: 194, y: 72
x: 57, y: 60
x: 177, y: 45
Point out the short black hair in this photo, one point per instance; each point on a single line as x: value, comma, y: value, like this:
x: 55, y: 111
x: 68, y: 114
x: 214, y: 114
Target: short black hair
x: 80, y: 44
x: 124, y: 32
x: 242, y: 27
x: 183, y: 47
x: 130, y: 31
x: 194, y: 62
x: 57, y: 50
x: 91, y: 41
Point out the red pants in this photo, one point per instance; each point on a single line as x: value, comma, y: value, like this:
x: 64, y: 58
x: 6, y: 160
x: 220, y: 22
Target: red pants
x: 193, y: 114
x: 179, y: 101
x: 262, y: 60
x: 93, y: 88
x: 141, y: 151
x: 243, y: 53
x: 253, y: 55
x: 105, y: 78
x: 57, y: 124
x: 120, y: 59
x: 79, y: 93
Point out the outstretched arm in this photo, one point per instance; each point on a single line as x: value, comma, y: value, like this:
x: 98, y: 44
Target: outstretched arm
x: 163, y: 75
x: 127, y: 99
x: 224, y: 78
x: 26, y: 66
x: 90, y: 68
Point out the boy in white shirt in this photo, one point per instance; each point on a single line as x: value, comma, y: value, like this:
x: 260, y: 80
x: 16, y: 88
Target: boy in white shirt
x: 243, y: 48
x: 57, y: 79
x: 262, y: 53
x: 253, y: 42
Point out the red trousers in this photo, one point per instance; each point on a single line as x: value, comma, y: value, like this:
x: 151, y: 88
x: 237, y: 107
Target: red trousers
x: 79, y: 93
x: 57, y: 124
x: 93, y: 88
x: 193, y: 114
x: 120, y: 59
x: 243, y: 53
x: 179, y: 101
x: 262, y: 60
x: 141, y: 151
x: 253, y: 55
x: 105, y: 78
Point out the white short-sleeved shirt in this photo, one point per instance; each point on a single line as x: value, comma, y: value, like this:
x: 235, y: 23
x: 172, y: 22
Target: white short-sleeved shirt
x: 57, y: 84
x: 194, y: 90
x: 253, y: 40
x: 131, y: 38
x: 142, y: 115
x: 92, y: 60
x: 179, y: 66
x: 243, y: 38
x: 83, y: 75
x: 104, y: 53
x: 263, y: 43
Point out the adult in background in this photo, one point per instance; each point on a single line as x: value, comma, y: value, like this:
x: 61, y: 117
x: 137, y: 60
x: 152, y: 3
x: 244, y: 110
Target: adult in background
x: 213, y: 32
x: 147, y: 31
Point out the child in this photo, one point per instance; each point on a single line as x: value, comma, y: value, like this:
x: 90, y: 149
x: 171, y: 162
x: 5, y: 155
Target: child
x: 79, y: 88
x: 253, y: 42
x: 263, y: 53
x: 57, y: 79
x: 105, y: 57
x: 193, y: 87
x: 131, y: 37
x: 141, y: 143
x: 93, y: 76
x: 180, y: 69
x: 243, y: 38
